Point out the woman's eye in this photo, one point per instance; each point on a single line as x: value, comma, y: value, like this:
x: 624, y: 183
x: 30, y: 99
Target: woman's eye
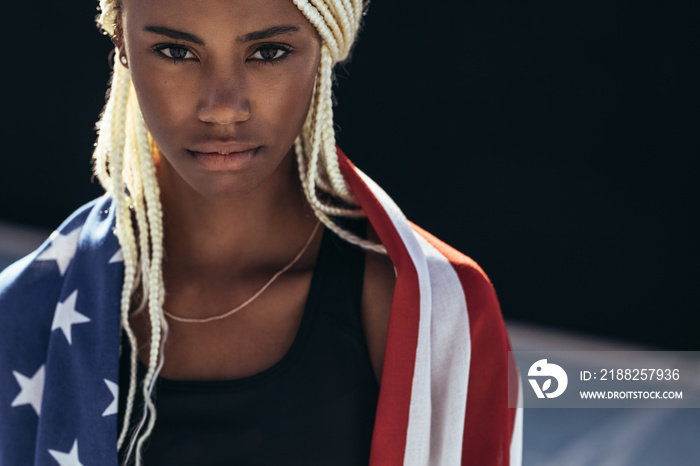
x: 176, y: 53
x: 270, y: 53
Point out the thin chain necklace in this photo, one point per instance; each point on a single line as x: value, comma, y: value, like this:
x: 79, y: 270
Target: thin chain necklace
x: 258, y: 293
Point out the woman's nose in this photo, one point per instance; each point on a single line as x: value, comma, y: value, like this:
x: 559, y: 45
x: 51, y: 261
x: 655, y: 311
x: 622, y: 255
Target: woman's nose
x: 225, y: 101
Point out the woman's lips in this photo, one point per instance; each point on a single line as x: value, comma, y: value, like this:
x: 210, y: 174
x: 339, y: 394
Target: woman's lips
x: 224, y: 161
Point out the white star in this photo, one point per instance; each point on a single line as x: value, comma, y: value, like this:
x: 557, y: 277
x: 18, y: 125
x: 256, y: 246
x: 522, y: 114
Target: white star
x: 31, y: 389
x: 66, y: 316
x: 112, y: 408
x: 117, y: 257
x: 67, y: 459
x: 62, y: 249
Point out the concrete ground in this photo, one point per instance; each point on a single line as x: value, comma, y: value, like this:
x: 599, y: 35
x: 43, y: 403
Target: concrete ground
x: 602, y: 437
x: 17, y: 241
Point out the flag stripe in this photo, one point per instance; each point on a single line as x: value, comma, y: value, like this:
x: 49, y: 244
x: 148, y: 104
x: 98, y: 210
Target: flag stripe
x: 488, y: 429
x: 417, y: 449
x: 459, y: 358
x: 450, y: 359
x: 391, y: 421
x: 516, y: 443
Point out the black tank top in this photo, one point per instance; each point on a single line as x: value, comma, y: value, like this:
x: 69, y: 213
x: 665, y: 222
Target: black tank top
x: 315, y: 406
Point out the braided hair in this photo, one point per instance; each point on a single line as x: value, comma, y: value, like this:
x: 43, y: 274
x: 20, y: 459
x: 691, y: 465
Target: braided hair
x: 124, y: 165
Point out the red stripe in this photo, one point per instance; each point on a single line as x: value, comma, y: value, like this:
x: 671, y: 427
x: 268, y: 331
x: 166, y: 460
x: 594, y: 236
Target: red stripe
x: 391, y: 422
x: 489, y: 422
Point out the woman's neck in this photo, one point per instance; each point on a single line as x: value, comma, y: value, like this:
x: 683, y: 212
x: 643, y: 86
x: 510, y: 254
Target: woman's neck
x: 260, y: 228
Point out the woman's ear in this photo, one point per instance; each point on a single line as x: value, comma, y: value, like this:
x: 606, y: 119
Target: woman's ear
x: 121, y: 50
x: 118, y: 39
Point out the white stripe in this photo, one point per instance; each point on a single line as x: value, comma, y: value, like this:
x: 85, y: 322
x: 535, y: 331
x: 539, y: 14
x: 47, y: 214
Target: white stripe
x: 435, y: 422
x: 516, y: 443
x: 450, y: 358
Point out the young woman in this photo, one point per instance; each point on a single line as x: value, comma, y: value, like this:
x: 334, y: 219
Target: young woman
x: 230, y: 300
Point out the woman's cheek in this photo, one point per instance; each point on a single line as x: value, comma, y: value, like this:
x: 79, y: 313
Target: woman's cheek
x: 160, y: 107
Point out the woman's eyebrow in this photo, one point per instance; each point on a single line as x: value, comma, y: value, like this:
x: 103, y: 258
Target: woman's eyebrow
x: 174, y: 34
x: 251, y: 36
x: 267, y: 33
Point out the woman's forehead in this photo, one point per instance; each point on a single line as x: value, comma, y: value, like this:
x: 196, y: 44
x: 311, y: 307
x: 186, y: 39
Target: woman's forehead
x: 214, y: 16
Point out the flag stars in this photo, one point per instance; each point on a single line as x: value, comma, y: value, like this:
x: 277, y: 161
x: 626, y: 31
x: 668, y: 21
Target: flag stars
x: 62, y: 249
x: 67, y: 459
x: 66, y: 316
x: 112, y: 408
x: 31, y: 389
x: 117, y: 257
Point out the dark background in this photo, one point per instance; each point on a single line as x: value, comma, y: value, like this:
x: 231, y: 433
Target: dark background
x: 554, y: 142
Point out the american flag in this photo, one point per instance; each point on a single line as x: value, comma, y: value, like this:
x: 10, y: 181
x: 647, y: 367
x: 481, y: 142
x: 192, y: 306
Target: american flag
x: 59, y: 346
x: 444, y: 393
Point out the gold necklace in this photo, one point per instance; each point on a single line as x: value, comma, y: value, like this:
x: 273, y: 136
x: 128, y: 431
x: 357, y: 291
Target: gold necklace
x: 203, y: 320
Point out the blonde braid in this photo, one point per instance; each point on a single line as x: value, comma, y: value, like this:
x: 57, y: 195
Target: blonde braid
x: 337, y: 23
x: 107, y: 19
x: 125, y: 168
x: 111, y: 127
x: 329, y: 20
x: 116, y: 107
x: 156, y: 294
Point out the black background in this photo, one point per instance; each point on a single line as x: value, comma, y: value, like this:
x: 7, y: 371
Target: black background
x: 554, y: 142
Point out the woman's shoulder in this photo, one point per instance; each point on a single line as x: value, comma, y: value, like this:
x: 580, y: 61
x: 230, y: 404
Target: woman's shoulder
x: 434, y: 279
x: 416, y: 254
x: 471, y: 275
x: 458, y: 282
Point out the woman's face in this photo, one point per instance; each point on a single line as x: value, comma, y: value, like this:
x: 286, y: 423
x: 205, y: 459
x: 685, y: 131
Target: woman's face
x: 224, y: 87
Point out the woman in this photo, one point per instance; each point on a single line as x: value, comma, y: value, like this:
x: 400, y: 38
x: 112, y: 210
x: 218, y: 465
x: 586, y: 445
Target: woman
x: 217, y: 152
